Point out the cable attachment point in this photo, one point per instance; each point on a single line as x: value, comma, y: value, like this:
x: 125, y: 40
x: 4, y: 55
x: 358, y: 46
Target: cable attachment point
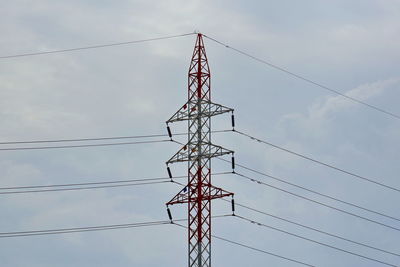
x: 233, y: 163
x: 233, y: 206
x: 169, y: 214
x: 169, y: 173
x: 233, y: 121
x: 169, y: 132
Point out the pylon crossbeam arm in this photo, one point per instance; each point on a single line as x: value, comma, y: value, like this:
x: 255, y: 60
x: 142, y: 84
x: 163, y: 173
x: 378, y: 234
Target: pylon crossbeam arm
x: 181, y: 197
x: 184, y: 154
x: 184, y: 113
x: 184, y: 195
x: 217, y: 192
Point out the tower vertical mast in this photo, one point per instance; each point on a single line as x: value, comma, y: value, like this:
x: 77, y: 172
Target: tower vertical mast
x: 198, y: 152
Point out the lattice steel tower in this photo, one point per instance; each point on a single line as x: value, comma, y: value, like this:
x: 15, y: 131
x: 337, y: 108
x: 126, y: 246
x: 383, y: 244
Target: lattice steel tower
x: 198, y: 152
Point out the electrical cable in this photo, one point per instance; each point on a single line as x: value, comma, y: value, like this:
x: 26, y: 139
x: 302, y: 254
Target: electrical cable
x: 246, y: 246
x: 90, y: 228
x: 314, y: 192
x: 90, y: 185
x: 317, y: 202
x: 80, y: 229
x: 81, y: 188
x: 311, y: 200
x: 94, y: 46
x: 314, y: 229
x: 83, y: 145
x: 320, y: 162
x: 225, y: 45
x: 393, y: 115
x: 96, y: 138
x: 253, y: 248
x: 82, y: 139
x: 315, y: 241
x: 309, y: 228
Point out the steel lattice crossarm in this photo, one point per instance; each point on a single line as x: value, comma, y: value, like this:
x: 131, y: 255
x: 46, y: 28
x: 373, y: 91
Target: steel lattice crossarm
x: 185, y: 113
x: 184, y: 196
x: 211, y: 151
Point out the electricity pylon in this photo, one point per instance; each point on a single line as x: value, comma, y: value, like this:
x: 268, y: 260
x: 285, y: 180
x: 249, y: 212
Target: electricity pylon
x: 198, y: 152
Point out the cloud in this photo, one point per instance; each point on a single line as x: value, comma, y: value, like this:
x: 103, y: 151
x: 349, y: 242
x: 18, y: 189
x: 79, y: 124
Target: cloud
x: 338, y: 103
x: 318, y: 119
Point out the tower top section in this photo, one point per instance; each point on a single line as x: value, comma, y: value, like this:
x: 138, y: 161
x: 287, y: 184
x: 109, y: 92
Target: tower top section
x: 199, y: 73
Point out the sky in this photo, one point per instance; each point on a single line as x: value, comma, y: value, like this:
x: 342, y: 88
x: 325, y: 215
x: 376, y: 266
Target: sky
x: 351, y: 46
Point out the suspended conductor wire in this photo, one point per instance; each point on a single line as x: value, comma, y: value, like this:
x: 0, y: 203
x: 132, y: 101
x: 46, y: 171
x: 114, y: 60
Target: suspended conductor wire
x: 314, y: 229
x: 96, y: 138
x: 80, y: 229
x: 320, y: 162
x: 81, y: 188
x: 305, y: 198
x: 309, y: 227
x: 253, y: 248
x: 316, y: 202
x: 83, y: 145
x: 82, y: 139
x: 91, y: 185
x: 314, y: 241
x: 315, y: 192
x: 90, y: 228
x: 95, y: 46
x: 393, y: 115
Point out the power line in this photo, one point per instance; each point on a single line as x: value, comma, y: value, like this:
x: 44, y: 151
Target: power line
x: 94, y: 46
x: 96, y: 138
x: 314, y: 192
x: 80, y: 229
x: 316, y: 202
x: 82, y: 139
x: 83, y: 145
x: 261, y: 250
x: 315, y: 241
x: 315, y: 229
x: 393, y: 115
x: 92, y: 185
x: 90, y: 228
x: 320, y: 162
x: 304, y: 226
x: 225, y: 45
x: 253, y: 248
x: 81, y: 188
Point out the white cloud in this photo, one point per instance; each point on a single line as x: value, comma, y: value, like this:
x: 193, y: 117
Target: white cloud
x: 339, y: 104
x: 317, y: 121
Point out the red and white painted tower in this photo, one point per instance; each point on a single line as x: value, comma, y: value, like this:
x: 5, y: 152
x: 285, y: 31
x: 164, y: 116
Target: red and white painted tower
x: 198, y: 152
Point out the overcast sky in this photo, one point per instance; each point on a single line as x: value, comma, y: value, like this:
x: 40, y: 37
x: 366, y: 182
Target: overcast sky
x: 351, y: 46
